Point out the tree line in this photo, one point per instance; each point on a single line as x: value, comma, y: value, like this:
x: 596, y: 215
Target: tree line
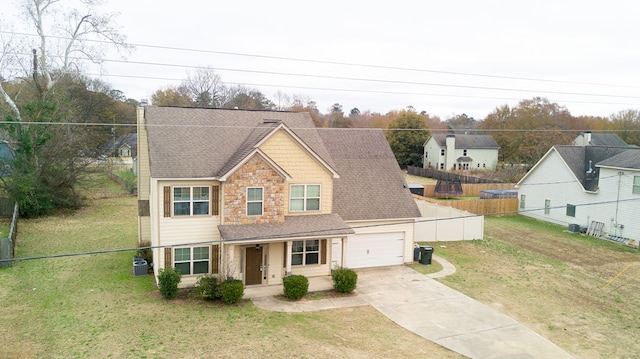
x: 50, y: 108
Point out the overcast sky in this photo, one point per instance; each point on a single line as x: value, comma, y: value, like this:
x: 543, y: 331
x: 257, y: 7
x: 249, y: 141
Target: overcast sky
x: 444, y: 57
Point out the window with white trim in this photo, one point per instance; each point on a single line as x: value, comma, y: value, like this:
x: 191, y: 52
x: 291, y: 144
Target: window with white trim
x: 191, y: 260
x: 464, y: 152
x: 305, y: 252
x: 255, y: 201
x: 442, y: 152
x: 304, y: 197
x: 636, y: 185
x: 522, y: 201
x: 190, y: 201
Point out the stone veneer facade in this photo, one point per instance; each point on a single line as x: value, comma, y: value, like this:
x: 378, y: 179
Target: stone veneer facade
x: 255, y: 173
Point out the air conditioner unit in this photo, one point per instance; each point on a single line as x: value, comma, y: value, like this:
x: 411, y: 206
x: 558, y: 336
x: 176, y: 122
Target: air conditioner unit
x: 574, y: 228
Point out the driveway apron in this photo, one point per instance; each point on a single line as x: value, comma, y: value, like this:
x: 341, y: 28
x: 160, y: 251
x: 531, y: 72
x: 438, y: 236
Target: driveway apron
x: 450, y: 318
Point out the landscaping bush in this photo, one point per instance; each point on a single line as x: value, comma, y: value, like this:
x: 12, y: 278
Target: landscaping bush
x: 208, y: 287
x: 295, y: 286
x: 168, y: 282
x: 344, y: 279
x: 231, y: 291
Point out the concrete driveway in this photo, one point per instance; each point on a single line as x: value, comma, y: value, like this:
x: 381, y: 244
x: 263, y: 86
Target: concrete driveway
x: 433, y: 311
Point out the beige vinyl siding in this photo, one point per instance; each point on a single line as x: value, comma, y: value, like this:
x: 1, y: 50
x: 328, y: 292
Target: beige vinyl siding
x: 183, y: 230
x: 301, y: 166
x: 144, y: 222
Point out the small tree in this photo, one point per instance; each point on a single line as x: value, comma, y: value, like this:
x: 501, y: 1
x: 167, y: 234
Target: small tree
x: 168, y: 281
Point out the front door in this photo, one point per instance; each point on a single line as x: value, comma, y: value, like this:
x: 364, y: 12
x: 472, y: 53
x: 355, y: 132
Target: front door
x: 254, y: 266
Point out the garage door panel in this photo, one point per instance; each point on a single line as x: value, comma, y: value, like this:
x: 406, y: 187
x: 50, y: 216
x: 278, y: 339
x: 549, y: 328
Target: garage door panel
x: 375, y: 250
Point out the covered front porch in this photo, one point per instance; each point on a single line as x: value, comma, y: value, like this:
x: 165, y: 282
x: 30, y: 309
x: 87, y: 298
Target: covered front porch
x: 262, y: 254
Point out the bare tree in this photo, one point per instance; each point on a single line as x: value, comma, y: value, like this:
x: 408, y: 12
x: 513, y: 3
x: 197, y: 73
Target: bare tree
x: 205, y: 87
x: 66, y: 32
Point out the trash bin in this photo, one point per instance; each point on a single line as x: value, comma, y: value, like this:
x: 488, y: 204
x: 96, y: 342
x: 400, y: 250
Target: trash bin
x: 140, y: 266
x: 425, y: 254
x: 416, y: 254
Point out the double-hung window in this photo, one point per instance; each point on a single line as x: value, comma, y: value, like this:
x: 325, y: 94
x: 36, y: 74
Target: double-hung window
x: 254, y: 201
x: 190, y: 201
x: 571, y: 210
x: 304, y: 197
x: 192, y: 260
x: 305, y: 252
x: 523, y: 199
x: 636, y: 184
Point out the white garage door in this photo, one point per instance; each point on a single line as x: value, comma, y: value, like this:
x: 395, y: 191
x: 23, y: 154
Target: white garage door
x: 375, y: 250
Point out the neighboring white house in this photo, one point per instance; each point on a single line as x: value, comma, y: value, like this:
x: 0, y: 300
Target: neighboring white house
x: 592, y: 187
x: 460, y: 152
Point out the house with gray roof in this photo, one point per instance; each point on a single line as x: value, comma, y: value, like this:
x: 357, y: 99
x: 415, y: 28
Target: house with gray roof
x: 260, y: 195
x: 589, y: 138
x: 458, y: 152
x: 593, y: 189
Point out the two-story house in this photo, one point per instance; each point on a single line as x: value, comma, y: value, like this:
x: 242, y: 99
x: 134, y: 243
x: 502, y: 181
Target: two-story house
x: 448, y: 152
x: 259, y: 195
x: 586, y: 187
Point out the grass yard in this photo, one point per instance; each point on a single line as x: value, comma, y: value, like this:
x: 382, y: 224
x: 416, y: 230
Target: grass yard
x: 91, y: 306
x: 555, y: 283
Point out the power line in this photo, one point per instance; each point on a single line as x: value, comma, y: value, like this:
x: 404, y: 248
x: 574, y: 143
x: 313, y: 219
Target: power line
x: 340, y: 63
x: 343, y: 78
x: 293, y: 234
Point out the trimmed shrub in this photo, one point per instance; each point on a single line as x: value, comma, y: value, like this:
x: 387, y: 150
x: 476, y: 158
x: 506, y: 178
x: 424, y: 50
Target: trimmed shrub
x: 231, y: 291
x: 295, y: 286
x: 208, y: 287
x: 168, y: 280
x: 344, y: 279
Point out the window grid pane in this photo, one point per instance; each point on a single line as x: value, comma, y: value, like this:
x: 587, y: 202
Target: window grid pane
x: 200, y: 253
x: 200, y: 193
x: 182, y: 254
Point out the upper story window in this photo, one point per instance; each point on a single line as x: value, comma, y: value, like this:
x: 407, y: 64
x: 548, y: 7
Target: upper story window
x: 442, y: 152
x: 636, y: 184
x: 304, y: 197
x: 190, y: 201
x: 464, y: 152
x: 255, y: 201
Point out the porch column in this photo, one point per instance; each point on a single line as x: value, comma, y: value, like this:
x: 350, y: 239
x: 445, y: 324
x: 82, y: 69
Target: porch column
x: 287, y: 256
x: 227, y: 268
x: 344, y: 253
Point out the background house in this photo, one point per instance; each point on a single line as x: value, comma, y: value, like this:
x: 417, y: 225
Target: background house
x: 258, y: 195
x: 586, y: 187
x: 460, y: 152
x: 599, y: 139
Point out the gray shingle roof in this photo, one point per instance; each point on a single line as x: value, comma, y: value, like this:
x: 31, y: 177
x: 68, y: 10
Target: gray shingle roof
x: 200, y: 143
x: 292, y: 227
x: 204, y: 143
x: 582, y: 159
x: 467, y: 141
x: 627, y: 159
x: 371, y: 185
x: 605, y: 139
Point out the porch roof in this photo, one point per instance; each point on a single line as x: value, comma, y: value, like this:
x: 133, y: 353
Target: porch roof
x: 303, y: 226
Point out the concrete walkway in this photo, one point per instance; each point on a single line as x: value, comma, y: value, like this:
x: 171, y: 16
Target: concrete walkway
x: 427, y: 308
